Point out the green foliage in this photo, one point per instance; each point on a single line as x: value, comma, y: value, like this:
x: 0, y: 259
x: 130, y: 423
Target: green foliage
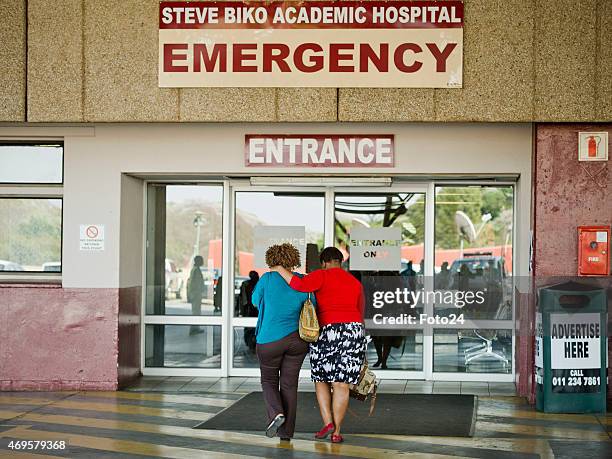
x: 30, y: 231
x: 475, y: 201
x: 411, y: 220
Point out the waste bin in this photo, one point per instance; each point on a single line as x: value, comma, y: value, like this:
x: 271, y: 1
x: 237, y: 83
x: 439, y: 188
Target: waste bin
x: 571, y: 349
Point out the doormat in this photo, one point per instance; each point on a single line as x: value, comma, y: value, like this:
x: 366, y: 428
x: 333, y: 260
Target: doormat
x: 395, y: 414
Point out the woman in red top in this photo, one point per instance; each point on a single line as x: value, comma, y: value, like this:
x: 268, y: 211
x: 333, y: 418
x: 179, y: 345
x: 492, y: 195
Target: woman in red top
x: 337, y: 356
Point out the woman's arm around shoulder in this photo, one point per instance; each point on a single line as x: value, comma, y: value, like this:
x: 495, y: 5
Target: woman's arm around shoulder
x: 308, y: 283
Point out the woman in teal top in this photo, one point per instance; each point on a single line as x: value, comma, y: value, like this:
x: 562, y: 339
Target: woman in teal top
x: 280, y: 349
x: 282, y: 308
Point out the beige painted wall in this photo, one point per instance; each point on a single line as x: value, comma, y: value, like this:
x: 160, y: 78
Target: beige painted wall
x: 97, y: 191
x: 96, y: 61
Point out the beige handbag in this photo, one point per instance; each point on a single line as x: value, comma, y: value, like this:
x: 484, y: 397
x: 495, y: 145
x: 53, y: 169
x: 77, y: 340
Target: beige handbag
x: 366, y: 386
x: 309, y: 324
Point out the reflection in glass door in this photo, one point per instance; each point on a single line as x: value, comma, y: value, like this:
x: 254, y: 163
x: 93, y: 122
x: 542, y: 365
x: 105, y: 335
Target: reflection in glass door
x: 398, y: 349
x: 193, y: 324
x: 473, y: 255
x: 184, y: 276
x: 255, y: 207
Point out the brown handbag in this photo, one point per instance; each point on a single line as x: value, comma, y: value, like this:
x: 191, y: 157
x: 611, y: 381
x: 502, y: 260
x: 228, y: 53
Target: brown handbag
x: 366, y: 386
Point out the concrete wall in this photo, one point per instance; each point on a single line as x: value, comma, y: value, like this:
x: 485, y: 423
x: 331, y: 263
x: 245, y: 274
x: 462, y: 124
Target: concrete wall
x: 58, y: 339
x: 13, y: 58
x: 567, y: 194
x: 130, y: 278
x: 524, y: 60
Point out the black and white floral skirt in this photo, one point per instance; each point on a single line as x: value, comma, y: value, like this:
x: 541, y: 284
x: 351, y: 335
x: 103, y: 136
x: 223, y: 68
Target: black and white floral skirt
x: 338, y: 354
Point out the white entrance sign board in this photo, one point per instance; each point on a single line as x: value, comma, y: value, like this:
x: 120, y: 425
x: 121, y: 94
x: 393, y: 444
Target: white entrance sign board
x: 91, y: 238
x: 267, y: 236
x: 375, y: 249
x: 319, y: 150
x: 575, y: 341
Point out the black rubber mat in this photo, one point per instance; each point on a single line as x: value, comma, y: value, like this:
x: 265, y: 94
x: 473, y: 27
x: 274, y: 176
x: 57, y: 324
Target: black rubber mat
x: 394, y: 414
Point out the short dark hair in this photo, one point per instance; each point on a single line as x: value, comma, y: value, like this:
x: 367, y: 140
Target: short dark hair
x: 329, y: 254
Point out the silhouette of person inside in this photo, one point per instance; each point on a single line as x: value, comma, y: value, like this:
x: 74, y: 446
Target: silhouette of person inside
x: 247, y: 309
x: 195, y: 290
x: 218, y: 295
x: 443, y: 277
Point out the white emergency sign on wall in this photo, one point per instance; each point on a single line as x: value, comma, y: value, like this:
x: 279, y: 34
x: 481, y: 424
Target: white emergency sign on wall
x: 267, y: 236
x: 375, y: 249
x: 575, y: 341
x: 91, y: 237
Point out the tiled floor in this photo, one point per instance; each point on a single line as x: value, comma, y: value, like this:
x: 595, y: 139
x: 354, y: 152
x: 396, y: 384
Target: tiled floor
x: 245, y: 385
x: 156, y: 417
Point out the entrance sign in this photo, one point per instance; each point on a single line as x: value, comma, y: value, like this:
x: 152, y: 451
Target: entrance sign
x: 319, y: 150
x: 91, y: 238
x: 575, y: 352
x: 266, y: 236
x: 409, y: 44
x: 375, y: 249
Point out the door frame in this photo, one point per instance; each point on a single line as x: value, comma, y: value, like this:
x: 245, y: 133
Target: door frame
x: 186, y: 319
x: 329, y: 237
x: 228, y: 322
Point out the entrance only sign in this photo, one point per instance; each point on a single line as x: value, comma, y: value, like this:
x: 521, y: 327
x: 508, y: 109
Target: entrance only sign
x: 311, y: 44
x: 375, y: 249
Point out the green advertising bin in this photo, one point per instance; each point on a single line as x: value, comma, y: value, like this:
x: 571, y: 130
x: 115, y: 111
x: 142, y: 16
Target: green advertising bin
x: 571, y: 349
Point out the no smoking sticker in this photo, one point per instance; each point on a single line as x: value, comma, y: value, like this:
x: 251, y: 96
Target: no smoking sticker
x: 91, y: 238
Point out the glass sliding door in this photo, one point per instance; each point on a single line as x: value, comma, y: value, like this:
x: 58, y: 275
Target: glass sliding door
x: 396, y: 350
x: 473, y: 261
x: 183, y: 308
x: 258, y: 209
x: 204, y: 257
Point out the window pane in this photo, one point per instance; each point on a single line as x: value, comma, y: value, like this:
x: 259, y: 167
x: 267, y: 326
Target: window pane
x: 405, y: 211
x: 184, y: 222
x: 31, y: 164
x: 391, y: 347
x: 184, y: 346
x: 397, y: 352
x: 244, y: 348
x: 255, y: 209
x: 473, y: 253
x: 30, y: 234
x: 473, y: 351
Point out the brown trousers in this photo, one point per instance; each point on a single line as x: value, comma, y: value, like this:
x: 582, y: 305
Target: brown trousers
x: 280, y: 362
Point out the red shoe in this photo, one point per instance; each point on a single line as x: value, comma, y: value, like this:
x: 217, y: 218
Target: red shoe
x: 337, y: 438
x: 325, y: 431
